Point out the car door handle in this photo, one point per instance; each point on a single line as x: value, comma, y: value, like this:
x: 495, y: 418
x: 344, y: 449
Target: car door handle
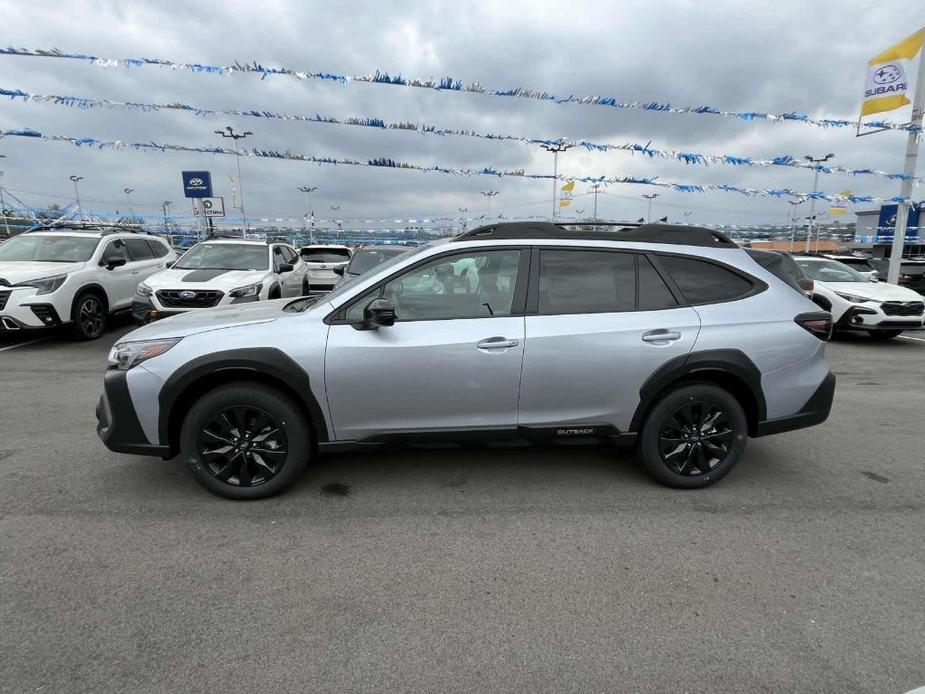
x: 496, y: 343
x: 661, y: 335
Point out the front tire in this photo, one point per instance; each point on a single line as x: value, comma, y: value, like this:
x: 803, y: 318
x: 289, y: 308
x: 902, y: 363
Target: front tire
x: 883, y: 335
x: 245, y: 441
x: 88, y: 316
x: 693, y: 436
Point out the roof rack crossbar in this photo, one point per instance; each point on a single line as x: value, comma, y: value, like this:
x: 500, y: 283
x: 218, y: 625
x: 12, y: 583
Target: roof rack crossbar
x: 674, y: 234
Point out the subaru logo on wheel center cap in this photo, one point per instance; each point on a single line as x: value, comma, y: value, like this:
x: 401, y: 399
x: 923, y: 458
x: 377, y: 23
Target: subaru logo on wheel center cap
x: 187, y: 294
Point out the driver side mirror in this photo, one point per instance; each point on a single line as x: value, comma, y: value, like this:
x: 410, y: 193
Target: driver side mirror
x: 285, y: 267
x: 113, y: 263
x: 379, y: 313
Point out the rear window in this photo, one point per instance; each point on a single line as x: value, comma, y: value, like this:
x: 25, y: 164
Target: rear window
x: 587, y: 282
x: 702, y: 282
x: 780, y: 265
x: 325, y: 255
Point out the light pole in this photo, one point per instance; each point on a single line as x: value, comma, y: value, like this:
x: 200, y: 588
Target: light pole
x: 490, y: 194
x: 650, y: 197
x: 555, y: 149
x: 309, y: 216
x: 77, y: 179
x: 230, y: 133
x: 128, y: 200
x: 596, y: 187
x: 793, y: 219
x: 6, y: 223
x: 812, y: 204
x: 166, y: 204
x: 337, y: 223
x: 462, y: 211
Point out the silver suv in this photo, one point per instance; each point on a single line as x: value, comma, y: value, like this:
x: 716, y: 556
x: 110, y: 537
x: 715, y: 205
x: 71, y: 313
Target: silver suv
x: 670, y: 338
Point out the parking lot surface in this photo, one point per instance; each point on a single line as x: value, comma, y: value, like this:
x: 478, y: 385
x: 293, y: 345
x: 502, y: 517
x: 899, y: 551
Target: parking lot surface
x: 557, y: 569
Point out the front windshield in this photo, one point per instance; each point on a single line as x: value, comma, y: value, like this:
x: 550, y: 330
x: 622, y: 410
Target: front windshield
x: 49, y: 249
x: 354, y: 280
x: 830, y: 271
x: 368, y: 258
x: 224, y: 256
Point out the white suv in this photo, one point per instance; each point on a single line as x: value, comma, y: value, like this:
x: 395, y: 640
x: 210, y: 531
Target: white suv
x: 74, y: 276
x: 858, y: 303
x: 221, y: 272
x: 326, y: 265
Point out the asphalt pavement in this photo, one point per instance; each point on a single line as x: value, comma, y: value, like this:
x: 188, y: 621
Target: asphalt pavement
x: 529, y: 570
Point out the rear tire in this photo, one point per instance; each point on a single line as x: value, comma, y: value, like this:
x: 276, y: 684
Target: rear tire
x: 88, y: 316
x: 883, y: 335
x: 245, y: 441
x: 693, y: 436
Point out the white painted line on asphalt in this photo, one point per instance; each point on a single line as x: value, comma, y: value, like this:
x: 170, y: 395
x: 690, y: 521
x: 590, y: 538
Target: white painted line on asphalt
x: 917, y: 339
x: 22, y: 344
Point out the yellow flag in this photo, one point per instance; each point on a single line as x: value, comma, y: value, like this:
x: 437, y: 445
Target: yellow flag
x: 568, y: 187
x: 840, y: 207
x: 565, y: 203
x: 886, y: 85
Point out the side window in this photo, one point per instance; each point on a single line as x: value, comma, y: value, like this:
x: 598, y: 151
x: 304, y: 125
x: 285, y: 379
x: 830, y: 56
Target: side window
x: 653, y: 292
x: 476, y: 285
x: 158, y: 248
x: 290, y: 255
x: 114, y: 250
x: 278, y: 258
x: 586, y: 282
x: 702, y: 282
x: 138, y: 249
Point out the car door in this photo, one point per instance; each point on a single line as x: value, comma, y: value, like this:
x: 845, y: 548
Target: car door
x: 596, y: 328
x: 283, y: 278
x: 142, y: 258
x: 122, y: 281
x: 294, y: 279
x: 450, y: 362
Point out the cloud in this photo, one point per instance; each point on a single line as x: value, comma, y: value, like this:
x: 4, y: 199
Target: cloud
x: 773, y: 57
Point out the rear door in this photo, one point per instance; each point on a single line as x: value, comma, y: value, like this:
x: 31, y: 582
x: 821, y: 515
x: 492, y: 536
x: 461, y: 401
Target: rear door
x: 142, y: 259
x: 598, y: 324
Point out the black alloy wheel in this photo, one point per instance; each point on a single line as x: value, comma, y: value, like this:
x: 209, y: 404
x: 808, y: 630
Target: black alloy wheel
x: 695, y: 438
x: 242, y: 446
x: 89, y: 317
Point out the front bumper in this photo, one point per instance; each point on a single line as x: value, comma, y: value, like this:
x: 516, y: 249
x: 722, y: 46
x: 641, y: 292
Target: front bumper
x: 815, y: 411
x: 867, y: 318
x: 117, y: 423
x: 22, y: 310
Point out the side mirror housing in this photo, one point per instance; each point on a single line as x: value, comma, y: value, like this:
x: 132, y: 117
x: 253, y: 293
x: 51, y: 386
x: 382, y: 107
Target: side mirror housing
x: 114, y: 263
x: 340, y: 270
x: 285, y: 267
x: 379, y: 313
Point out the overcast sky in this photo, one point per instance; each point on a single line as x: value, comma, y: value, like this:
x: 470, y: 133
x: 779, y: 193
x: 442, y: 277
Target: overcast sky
x: 773, y: 57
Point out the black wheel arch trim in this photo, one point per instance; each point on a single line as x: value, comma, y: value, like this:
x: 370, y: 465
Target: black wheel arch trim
x: 732, y: 362
x: 259, y: 361
x: 92, y: 287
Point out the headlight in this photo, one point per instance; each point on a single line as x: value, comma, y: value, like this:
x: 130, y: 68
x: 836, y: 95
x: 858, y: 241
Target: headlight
x: 125, y: 355
x: 249, y: 290
x: 857, y: 299
x: 46, y: 285
x: 144, y: 290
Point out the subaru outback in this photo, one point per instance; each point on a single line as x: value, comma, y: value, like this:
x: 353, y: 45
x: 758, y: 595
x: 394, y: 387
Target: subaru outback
x: 671, y: 338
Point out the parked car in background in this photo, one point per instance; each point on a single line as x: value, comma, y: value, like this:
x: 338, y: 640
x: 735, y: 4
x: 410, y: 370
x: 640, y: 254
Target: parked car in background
x: 858, y: 303
x: 365, y: 259
x: 222, y: 272
x: 911, y: 272
x: 782, y: 265
x: 514, y: 331
x: 75, y: 276
x: 863, y: 264
x: 323, y: 263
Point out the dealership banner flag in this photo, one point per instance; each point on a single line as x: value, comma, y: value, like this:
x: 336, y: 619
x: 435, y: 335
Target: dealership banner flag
x: 887, y: 82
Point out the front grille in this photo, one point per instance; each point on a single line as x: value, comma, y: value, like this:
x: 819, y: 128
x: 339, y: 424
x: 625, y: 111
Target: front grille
x: 4, y: 295
x: 202, y: 298
x: 900, y: 308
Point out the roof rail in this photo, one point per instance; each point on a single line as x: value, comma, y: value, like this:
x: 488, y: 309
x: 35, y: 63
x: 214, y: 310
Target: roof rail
x: 675, y: 234
x: 102, y: 229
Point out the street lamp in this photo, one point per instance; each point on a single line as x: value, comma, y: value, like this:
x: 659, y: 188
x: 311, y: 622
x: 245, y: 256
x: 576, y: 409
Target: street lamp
x: 128, y: 199
x: 650, y: 198
x: 490, y: 194
x: 166, y: 204
x: 230, y: 133
x: 596, y: 187
x: 555, y: 149
x: 793, y: 211
x: 309, y: 215
x: 76, y: 179
x: 816, y: 165
x: 6, y: 223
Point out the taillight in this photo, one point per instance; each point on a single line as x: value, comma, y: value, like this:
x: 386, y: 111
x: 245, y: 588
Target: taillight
x: 819, y: 324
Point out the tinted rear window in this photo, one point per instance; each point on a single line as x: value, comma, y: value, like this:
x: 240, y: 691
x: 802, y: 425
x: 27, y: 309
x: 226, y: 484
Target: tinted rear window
x: 325, y: 255
x: 159, y: 249
x: 586, y: 282
x: 138, y: 249
x: 702, y: 282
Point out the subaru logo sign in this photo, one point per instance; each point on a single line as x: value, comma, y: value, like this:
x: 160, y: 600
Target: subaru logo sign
x: 187, y: 294
x: 197, y: 184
